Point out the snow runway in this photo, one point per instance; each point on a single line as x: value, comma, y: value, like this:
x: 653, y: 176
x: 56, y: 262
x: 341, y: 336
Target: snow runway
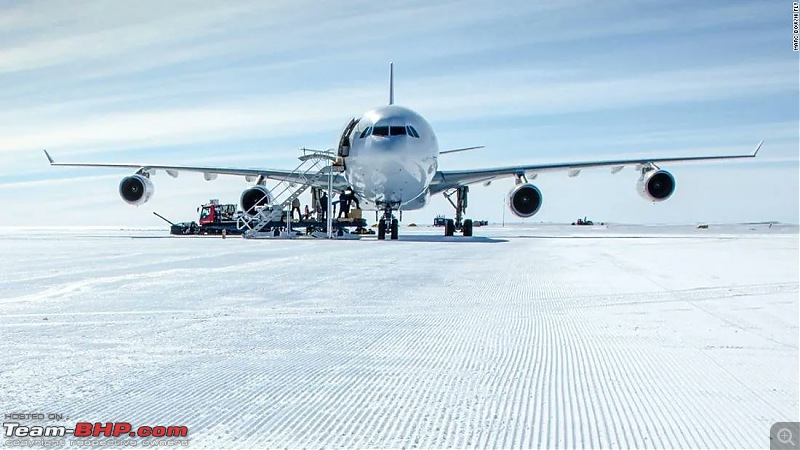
x: 525, y: 337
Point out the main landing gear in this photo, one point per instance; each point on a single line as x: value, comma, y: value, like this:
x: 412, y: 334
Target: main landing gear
x: 460, y: 205
x: 387, y: 223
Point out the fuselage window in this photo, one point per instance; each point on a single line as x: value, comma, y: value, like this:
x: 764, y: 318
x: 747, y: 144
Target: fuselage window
x: 412, y: 131
x: 365, y: 133
x: 397, y: 131
x: 380, y: 131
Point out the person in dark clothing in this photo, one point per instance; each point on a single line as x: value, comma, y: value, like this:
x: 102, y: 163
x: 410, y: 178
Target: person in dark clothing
x: 345, y: 199
x: 323, y: 206
x: 296, y: 207
x: 352, y: 196
x: 344, y: 205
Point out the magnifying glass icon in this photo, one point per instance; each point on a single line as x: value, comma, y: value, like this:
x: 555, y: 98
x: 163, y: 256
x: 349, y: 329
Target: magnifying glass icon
x: 785, y: 437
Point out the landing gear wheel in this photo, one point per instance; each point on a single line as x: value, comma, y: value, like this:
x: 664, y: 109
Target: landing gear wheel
x: 394, y: 229
x: 381, y: 230
x: 449, y: 227
x: 467, y: 228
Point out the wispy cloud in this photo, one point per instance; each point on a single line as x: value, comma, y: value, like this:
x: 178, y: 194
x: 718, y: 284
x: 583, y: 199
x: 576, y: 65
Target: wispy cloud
x: 249, y: 81
x: 103, y: 124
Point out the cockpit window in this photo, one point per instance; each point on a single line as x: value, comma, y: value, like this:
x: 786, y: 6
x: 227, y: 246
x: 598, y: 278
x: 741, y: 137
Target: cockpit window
x: 383, y: 130
x: 397, y: 131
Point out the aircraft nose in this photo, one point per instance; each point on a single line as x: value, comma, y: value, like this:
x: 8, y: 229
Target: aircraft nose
x: 386, y: 144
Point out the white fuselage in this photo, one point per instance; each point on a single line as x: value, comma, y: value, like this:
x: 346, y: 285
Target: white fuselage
x: 393, y: 158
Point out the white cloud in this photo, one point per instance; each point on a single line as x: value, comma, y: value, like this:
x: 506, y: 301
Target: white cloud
x: 468, y: 96
x: 105, y: 77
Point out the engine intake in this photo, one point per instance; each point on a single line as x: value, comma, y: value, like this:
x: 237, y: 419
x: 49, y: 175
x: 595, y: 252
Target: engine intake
x: 136, y: 189
x: 253, y: 197
x: 656, y: 185
x: 525, y: 200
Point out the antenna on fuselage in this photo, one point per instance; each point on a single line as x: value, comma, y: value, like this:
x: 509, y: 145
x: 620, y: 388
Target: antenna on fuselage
x: 391, y: 83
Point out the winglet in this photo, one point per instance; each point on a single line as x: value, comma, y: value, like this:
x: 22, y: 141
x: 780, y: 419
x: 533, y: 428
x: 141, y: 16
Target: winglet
x: 391, y: 83
x: 49, y: 158
x: 758, y: 148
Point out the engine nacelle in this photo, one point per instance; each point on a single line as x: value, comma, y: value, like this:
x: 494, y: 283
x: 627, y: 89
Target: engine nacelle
x: 253, y: 197
x: 525, y: 200
x: 136, y: 189
x: 656, y: 185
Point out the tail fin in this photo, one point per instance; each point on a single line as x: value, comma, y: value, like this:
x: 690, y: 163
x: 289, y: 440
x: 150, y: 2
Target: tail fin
x: 391, y: 83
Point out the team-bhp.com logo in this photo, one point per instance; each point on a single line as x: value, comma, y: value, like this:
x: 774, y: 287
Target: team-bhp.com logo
x: 85, y: 429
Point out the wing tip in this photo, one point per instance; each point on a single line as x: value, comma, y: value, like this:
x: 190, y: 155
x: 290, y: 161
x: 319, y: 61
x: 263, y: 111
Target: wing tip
x: 49, y: 158
x: 758, y: 147
x: 462, y: 149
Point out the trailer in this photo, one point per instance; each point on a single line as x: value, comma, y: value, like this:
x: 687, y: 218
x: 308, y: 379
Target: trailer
x: 314, y: 226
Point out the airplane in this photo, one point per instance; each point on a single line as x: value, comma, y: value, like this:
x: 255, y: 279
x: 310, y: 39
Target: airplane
x: 389, y: 157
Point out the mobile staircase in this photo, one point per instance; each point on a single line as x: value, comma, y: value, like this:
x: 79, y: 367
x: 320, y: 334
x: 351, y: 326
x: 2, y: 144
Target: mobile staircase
x: 268, y: 220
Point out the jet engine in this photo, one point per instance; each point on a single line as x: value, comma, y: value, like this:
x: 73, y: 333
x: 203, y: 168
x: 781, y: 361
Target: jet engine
x: 525, y: 200
x: 656, y: 185
x: 136, y: 189
x: 253, y: 197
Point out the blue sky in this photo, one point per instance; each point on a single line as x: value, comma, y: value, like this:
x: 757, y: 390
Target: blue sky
x: 247, y: 83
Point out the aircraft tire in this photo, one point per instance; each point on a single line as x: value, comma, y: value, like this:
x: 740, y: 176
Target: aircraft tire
x: 467, y: 229
x: 394, y: 229
x: 449, y: 227
x: 381, y: 230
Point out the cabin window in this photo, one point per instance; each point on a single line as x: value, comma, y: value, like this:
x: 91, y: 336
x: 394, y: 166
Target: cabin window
x: 380, y: 131
x: 365, y: 133
x: 412, y: 131
x: 397, y: 131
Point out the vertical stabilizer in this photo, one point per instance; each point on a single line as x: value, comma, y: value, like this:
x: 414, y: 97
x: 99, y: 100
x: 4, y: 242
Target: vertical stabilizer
x: 391, y: 83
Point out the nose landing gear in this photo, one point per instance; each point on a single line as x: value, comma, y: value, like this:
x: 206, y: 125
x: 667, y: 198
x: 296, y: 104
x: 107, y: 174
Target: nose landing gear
x: 387, y: 223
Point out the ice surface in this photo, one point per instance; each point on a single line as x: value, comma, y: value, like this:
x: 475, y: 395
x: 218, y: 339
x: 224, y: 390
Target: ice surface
x: 543, y: 336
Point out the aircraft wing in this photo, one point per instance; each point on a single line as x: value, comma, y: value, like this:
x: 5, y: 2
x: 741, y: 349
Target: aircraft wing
x: 444, y: 180
x: 211, y: 172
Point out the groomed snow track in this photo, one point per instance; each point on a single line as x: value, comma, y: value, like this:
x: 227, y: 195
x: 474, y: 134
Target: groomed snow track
x: 507, y: 341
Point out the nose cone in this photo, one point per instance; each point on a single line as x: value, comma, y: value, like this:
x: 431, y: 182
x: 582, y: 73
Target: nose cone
x: 379, y: 145
x: 388, y: 156
x: 389, y: 170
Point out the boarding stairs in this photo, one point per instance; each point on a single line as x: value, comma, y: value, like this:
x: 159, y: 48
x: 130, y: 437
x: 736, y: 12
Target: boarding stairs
x: 315, y: 165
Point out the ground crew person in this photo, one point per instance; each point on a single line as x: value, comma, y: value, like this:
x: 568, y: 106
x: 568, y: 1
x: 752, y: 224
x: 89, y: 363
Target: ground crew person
x: 345, y: 198
x: 344, y: 205
x: 296, y: 206
x: 323, y: 206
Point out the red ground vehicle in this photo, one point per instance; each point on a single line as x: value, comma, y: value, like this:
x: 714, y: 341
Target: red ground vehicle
x: 214, y: 219
x: 214, y: 213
